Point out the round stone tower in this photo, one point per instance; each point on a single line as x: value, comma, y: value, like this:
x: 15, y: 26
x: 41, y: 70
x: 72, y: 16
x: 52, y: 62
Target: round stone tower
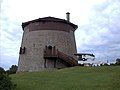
x: 46, y: 32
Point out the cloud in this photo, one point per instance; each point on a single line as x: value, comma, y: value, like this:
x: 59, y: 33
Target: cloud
x: 10, y: 37
x: 103, y: 29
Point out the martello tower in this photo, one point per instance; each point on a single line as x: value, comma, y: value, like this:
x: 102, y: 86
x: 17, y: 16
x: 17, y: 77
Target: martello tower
x: 47, y: 43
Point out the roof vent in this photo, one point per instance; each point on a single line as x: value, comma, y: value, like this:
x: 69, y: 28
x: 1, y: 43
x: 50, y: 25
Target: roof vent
x: 68, y: 16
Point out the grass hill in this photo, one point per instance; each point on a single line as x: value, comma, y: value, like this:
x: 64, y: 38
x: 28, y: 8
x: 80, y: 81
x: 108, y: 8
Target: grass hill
x: 75, y: 78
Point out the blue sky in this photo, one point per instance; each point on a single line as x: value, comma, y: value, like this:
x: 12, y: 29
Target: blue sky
x: 98, y: 25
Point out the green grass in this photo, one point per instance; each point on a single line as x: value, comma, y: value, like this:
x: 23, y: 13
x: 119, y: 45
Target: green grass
x: 75, y: 78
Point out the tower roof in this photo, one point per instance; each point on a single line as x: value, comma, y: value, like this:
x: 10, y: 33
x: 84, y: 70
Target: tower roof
x: 49, y: 19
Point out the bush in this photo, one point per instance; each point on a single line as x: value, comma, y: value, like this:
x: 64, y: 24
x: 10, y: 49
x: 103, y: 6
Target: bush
x: 112, y: 64
x: 5, y: 81
x: 117, y: 62
x: 105, y: 64
x: 2, y: 71
x: 12, y: 70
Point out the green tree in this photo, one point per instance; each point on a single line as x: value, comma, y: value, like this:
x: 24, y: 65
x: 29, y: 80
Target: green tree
x: 2, y: 71
x: 5, y: 81
x: 117, y: 61
x: 12, y: 70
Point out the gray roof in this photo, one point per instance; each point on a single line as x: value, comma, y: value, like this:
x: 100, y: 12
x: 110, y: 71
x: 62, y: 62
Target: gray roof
x: 49, y: 19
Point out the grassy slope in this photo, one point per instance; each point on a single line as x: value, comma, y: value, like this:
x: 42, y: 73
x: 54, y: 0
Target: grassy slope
x: 75, y: 78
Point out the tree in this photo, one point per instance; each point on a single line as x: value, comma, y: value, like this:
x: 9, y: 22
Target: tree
x: 5, y: 81
x: 12, y: 70
x: 2, y: 71
x: 117, y: 61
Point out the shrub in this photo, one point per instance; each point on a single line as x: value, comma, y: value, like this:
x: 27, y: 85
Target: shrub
x: 117, y: 61
x: 12, y: 69
x: 5, y: 81
x: 105, y: 64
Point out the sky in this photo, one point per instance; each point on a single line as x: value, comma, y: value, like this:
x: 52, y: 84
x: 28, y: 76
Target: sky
x: 98, y: 25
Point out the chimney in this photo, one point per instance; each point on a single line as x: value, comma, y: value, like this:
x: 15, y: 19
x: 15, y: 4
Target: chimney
x: 68, y: 16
